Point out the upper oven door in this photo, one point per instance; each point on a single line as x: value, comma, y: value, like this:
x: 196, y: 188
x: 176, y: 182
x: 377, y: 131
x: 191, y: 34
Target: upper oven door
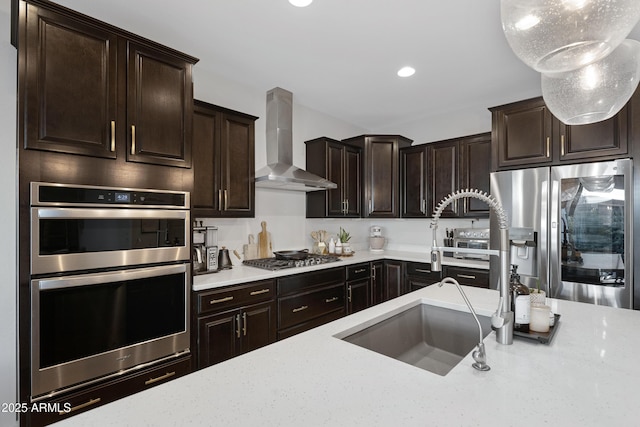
x: 78, y: 239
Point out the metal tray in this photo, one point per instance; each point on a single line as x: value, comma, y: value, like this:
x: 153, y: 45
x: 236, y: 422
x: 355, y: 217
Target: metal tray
x: 543, y: 337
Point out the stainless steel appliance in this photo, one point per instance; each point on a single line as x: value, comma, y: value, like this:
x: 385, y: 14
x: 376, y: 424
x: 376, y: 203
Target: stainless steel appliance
x: 279, y: 264
x: 471, y: 238
x: 110, y: 282
x: 205, y: 249
x: 571, y: 229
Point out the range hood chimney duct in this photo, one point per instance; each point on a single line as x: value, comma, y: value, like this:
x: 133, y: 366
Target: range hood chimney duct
x: 280, y: 173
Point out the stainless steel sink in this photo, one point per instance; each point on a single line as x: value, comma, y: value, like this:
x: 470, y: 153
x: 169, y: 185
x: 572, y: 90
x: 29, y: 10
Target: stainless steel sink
x: 429, y: 337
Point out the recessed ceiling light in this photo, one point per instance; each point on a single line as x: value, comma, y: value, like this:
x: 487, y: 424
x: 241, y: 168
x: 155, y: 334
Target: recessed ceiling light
x: 300, y: 3
x: 406, y: 71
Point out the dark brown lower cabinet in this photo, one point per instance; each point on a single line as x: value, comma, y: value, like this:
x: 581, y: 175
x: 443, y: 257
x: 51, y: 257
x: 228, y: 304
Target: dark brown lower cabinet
x: 310, y: 299
x: 359, y: 287
x: 226, y: 335
x: 234, y: 320
x: 96, y: 395
x: 394, y: 282
x: 419, y: 275
x: 377, y: 282
x: 468, y: 276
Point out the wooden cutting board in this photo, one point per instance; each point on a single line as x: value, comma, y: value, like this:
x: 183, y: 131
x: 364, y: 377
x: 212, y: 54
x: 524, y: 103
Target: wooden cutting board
x: 264, y: 242
x: 251, y: 249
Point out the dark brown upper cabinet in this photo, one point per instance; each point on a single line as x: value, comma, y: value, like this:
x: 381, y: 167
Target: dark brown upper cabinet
x: 525, y: 133
x: 223, y: 162
x: 88, y: 88
x: 381, y: 173
x: 339, y: 163
x: 430, y: 172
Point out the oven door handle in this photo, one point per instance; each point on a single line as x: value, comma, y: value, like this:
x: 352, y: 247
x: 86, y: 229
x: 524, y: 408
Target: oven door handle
x: 63, y: 282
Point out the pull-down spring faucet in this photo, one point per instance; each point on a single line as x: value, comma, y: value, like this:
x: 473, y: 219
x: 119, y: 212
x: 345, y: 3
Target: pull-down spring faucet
x: 502, y: 319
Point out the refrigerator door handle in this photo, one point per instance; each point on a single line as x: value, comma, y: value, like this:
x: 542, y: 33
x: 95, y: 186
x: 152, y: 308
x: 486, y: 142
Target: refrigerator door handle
x: 554, y: 275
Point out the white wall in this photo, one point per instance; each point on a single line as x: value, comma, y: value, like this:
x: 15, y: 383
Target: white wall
x: 8, y: 197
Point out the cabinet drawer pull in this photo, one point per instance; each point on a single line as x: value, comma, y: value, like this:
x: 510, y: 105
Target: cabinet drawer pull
x: 160, y: 378
x: 346, y: 211
x: 113, y: 135
x: 304, y: 307
x: 562, y: 145
x: 261, y: 291
x: 466, y: 276
x: 422, y: 270
x: 225, y: 199
x: 244, y: 323
x: 331, y: 299
x: 82, y: 405
x: 133, y: 140
x: 548, y: 142
x: 349, y: 294
x: 238, y: 325
x: 362, y: 270
x: 225, y: 299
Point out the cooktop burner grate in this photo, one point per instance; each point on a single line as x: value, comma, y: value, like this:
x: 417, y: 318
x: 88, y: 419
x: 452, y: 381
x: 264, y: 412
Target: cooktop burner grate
x: 279, y: 264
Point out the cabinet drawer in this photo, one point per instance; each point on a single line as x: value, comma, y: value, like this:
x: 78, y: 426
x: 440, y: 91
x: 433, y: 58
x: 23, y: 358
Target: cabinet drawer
x: 422, y: 271
x: 92, y: 397
x: 235, y: 296
x: 308, y: 305
x: 469, y: 276
x: 305, y: 281
x: 358, y: 271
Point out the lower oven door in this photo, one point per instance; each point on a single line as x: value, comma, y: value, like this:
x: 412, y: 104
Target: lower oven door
x: 91, y: 326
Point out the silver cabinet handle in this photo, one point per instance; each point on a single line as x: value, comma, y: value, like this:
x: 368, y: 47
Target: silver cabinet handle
x: 562, y: 145
x: 133, y: 140
x: 244, y: 323
x: 362, y: 270
x: 346, y: 211
x: 328, y: 300
x: 422, y: 270
x: 349, y: 294
x: 160, y: 378
x: 238, y: 325
x: 226, y: 200
x: 370, y: 206
x: 423, y: 206
x: 548, y: 144
x: 304, y: 307
x: 466, y: 276
x: 225, y: 299
x: 113, y: 135
x: 261, y: 291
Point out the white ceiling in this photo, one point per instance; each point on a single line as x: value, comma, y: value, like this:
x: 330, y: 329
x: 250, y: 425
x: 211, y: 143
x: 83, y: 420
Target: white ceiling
x: 340, y: 57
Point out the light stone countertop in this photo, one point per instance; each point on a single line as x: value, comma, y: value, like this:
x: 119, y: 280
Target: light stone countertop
x: 243, y: 274
x: 586, y: 376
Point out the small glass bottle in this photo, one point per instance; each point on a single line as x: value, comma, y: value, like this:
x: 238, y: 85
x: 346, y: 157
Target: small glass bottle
x: 520, y: 301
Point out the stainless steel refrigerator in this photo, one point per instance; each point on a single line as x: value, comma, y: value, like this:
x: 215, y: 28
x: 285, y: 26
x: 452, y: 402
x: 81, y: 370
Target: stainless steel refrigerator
x: 571, y: 230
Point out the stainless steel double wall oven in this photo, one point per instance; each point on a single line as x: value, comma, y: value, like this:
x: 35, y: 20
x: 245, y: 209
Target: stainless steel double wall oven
x: 109, y: 282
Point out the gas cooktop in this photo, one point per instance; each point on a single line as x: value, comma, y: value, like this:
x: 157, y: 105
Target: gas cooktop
x: 279, y: 264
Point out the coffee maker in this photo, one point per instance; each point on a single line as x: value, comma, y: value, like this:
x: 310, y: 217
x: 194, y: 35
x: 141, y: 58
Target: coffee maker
x: 205, y: 249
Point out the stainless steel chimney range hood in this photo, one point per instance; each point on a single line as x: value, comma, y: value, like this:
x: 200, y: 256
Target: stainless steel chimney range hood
x: 280, y: 173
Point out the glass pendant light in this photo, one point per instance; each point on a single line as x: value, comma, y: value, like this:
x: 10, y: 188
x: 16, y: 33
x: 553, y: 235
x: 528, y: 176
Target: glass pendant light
x: 597, y: 91
x: 554, y: 36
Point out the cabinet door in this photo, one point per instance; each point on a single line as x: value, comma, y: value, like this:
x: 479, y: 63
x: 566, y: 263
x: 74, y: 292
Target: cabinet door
x: 218, y: 338
x: 237, y: 166
x: 206, y: 153
x: 475, y: 172
x: 522, y: 133
x: 159, y: 107
x: 352, y: 180
x: 443, y: 176
x: 606, y: 138
x: 377, y: 282
x: 335, y: 173
x: 394, y: 279
x: 258, y: 326
x: 69, y: 85
x: 381, y: 170
x: 413, y: 178
x: 358, y: 295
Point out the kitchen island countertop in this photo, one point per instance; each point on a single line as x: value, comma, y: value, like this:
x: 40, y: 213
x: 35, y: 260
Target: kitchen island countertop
x: 242, y: 274
x: 585, y: 376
